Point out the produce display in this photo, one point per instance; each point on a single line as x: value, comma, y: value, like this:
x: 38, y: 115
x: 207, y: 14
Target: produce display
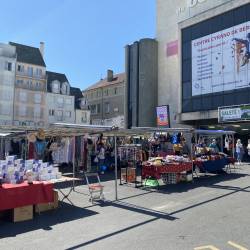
x: 13, y: 170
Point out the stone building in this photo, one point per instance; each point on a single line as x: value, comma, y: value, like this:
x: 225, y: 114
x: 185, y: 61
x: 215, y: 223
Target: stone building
x: 105, y: 100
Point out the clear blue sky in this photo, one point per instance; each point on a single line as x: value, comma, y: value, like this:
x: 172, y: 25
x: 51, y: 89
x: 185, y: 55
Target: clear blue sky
x: 83, y: 38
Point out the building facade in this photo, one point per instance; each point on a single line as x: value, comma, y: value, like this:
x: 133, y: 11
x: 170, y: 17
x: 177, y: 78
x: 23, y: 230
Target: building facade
x: 105, y: 100
x: 30, y: 86
x: 203, y: 58
x: 7, y: 80
x: 60, y: 104
x: 141, y: 88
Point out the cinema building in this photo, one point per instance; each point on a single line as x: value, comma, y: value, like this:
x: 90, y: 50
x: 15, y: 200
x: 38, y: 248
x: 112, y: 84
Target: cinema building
x: 204, y: 62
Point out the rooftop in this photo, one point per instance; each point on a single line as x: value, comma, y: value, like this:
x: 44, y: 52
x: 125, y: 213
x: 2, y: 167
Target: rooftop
x: 118, y: 78
x: 28, y: 54
x: 52, y: 76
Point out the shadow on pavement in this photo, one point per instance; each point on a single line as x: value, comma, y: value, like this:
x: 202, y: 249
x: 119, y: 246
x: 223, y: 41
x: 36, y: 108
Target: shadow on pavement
x: 45, y: 221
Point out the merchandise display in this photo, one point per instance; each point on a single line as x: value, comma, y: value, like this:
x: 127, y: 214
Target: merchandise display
x: 167, y: 168
x: 13, y: 170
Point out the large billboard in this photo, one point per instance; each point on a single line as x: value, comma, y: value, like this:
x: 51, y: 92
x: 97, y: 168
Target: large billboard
x: 221, y: 61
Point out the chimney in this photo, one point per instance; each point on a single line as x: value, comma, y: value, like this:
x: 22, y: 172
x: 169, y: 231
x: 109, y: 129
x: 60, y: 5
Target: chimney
x: 110, y: 75
x: 42, y: 48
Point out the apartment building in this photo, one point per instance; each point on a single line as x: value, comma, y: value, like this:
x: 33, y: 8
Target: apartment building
x: 30, y: 86
x: 105, y: 100
x: 60, y: 103
x: 7, y: 79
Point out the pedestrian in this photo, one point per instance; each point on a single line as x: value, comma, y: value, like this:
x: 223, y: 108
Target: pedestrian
x: 239, y: 150
x: 101, y: 156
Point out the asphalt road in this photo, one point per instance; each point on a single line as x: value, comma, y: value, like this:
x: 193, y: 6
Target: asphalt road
x: 211, y: 213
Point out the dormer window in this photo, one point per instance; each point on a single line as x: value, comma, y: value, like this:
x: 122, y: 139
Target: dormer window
x: 65, y: 88
x: 55, y: 87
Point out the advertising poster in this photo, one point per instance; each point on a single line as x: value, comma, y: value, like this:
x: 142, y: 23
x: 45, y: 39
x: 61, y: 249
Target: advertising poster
x: 235, y: 113
x: 163, y: 116
x: 221, y: 61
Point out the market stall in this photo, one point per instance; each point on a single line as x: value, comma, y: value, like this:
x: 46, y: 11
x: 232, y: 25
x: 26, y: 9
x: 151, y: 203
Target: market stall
x: 28, y: 182
x: 214, y: 150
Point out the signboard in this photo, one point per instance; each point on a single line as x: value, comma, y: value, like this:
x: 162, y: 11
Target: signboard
x: 221, y: 61
x: 234, y: 113
x: 163, y: 119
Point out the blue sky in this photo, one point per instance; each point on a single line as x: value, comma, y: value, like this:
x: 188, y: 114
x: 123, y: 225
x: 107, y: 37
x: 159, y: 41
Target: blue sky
x: 83, y: 38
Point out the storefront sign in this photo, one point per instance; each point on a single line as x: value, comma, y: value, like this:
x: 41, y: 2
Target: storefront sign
x: 221, y: 61
x: 235, y: 113
x: 163, y: 119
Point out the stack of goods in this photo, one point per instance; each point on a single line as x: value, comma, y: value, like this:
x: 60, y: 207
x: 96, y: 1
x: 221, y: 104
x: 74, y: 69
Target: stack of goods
x: 161, y: 161
x: 13, y: 170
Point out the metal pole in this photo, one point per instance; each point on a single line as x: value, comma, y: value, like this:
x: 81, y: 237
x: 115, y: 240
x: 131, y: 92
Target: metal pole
x: 74, y: 166
x: 233, y: 145
x: 191, y: 152
x: 116, y: 192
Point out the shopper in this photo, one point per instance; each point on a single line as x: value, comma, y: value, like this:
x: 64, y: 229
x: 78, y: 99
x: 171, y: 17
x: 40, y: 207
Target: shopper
x: 101, y: 156
x: 239, y: 151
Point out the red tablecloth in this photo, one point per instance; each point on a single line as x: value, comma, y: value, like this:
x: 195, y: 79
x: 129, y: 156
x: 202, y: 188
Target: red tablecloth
x: 18, y: 195
x: 157, y: 171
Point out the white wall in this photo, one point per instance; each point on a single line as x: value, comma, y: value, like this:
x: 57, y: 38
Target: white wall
x: 7, y: 81
x: 82, y: 116
x: 63, y: 107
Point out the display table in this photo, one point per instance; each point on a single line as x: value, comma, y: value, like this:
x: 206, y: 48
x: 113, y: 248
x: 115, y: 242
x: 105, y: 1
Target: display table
x: 214, y: 165
x: 24, y: 194
x: 157, y: 171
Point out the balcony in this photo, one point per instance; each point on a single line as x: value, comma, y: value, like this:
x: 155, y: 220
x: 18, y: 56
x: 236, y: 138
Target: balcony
x: 33, y: 76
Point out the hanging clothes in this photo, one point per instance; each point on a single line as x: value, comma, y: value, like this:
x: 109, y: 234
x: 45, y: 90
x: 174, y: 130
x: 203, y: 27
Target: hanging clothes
x: 40, y: 147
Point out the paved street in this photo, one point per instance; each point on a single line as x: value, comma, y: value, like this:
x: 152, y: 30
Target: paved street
x: 212, y: 213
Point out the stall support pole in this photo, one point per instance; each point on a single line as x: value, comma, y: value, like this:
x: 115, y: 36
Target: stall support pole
x: 191, y: 152
x: 116, y: 192
x: 233, y: 146
x: 74, y: 165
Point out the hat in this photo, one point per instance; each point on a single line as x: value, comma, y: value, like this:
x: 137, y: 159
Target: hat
x: 31, y: 137
x: 40, y: 134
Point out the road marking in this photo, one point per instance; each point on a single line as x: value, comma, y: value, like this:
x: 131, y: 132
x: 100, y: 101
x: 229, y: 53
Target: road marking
x: 236, y: 245
x: 210, y: 247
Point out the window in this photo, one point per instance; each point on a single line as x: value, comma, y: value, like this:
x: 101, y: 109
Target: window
x: 68, y: 101
x: 64, y: 89
x: 22, y: 96
x: 30, y: 71
x: 22, y: 110
x: 6, y: 95
x: 39, y: 72
x: 68, y: 114
x: 19, y: 82
x: 107, y: 107
x: 20, y: 68
x: 106, y: 92
x: 60, y: 100
x: 37, y: 111
x: 8, y: 66
x: 115, y: 91
x: 116, y: 109
x: 56, y: 87
x: 38, y: 85
x: 59, y: 113
x: 37, y: 98
x: 98, y: 108
x: 51, y: 112
x: 93, y: 109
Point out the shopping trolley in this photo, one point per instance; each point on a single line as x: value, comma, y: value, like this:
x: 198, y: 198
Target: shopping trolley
x: 96, y: 188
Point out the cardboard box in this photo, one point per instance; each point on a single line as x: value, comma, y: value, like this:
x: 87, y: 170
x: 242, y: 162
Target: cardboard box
x: 23, y: 213
x: 42, y: 207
